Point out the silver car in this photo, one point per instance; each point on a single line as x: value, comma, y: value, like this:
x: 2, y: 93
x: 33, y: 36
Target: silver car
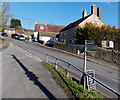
x: 21, y: 37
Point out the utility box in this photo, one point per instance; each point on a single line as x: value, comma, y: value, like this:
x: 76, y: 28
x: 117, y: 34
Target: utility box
x: 107, y: 44
x: 104, y: 44
x: 111, y: 44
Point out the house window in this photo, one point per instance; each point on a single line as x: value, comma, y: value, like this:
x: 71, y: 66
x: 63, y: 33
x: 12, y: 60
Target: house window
x: 61, y: 40
x: 72, y: 41
x: 61, y: 33
x: 65, y: 33
x: 41, y: 27
x: 64, y: 40
x: 95, y: 22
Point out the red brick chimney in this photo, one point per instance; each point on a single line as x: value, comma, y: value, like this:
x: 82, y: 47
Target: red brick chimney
x: 93, y: 9
x: 99, y: 12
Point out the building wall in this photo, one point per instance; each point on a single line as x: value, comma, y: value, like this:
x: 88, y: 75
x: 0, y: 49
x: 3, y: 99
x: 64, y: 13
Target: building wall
x: 45, y: 38
x: 68, y: 36
x: 94, y: 19
x: 10, y: 30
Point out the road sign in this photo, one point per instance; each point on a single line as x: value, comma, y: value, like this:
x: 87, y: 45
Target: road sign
x: 90, y: 82
x: 89, y: 41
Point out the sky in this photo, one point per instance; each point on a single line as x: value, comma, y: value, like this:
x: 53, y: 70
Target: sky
x: 60, y: 13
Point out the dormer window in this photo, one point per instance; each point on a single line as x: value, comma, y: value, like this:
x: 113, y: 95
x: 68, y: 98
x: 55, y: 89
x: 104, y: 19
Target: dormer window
x: 41, y: 27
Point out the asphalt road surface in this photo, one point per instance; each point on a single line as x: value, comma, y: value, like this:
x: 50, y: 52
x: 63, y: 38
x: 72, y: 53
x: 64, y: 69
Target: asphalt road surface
x: 24, y: 77
x: 107, y: 75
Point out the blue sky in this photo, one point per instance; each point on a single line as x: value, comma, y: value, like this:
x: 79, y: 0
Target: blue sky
x: 60, y: 13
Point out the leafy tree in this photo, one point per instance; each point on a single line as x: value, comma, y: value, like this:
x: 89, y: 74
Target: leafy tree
x: 87, y: 32
x: 15, y: 23
x: 4, y: 14
x: 97, y: 33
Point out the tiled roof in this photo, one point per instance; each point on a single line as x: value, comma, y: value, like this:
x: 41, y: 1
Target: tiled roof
x: 19, y: 31
x: 74, y: 24
x: 28, y: 29
x: 50, y: 34
x: 48, y: 28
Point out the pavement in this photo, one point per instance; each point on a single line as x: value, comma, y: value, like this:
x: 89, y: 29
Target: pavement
x: 4, y: 45
x: 24, y: 77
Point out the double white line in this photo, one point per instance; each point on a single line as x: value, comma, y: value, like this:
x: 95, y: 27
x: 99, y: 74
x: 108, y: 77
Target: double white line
x: 26, y: 52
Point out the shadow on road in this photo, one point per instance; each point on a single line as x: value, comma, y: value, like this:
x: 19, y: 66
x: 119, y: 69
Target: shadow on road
x: 34, y: 78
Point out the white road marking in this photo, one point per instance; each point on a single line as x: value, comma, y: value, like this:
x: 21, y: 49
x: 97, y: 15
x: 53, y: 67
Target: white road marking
x: 26, y: 53
x: 40, y: 60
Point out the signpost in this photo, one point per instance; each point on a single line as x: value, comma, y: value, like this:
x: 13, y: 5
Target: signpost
x: 87, y: 42
x: 90, y: 82
x: 85, y: 50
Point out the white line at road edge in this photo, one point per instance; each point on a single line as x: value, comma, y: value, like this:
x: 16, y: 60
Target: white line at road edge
x: 26, y: 53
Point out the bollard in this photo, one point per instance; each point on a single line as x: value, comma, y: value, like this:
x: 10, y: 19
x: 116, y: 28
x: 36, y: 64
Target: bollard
x: 30, y: 38
x: 68, y: 71
x: 47, y: 58
x: 78, y: 52
x: 56, y: 63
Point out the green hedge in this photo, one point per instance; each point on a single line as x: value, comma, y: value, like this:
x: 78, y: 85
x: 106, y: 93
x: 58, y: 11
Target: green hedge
x: 70, y: 86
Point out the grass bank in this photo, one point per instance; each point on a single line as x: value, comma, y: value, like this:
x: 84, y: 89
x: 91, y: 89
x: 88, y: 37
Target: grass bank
x: 1, y: 40
x: 70, y: 87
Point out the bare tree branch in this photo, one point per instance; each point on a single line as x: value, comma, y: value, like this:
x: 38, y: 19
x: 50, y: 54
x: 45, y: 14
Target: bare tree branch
x: 4, y: 15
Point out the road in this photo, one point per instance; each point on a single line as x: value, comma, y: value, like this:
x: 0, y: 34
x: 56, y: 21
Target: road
x: 24, y: 77
x: 105, y: 74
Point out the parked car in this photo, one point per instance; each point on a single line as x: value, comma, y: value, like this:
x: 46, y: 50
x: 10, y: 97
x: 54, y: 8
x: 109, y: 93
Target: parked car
x: 21, y: 37
x: 4, y: 34
x: 51, y: 42
x: 14, y: 36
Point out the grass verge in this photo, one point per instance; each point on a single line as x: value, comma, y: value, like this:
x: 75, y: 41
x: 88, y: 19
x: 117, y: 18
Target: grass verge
x: 1, y: 40
x: 70, y: 87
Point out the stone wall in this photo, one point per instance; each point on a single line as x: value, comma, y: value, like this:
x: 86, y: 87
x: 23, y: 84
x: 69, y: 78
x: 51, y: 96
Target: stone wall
x: 66, y: 47
x: 106, y: 55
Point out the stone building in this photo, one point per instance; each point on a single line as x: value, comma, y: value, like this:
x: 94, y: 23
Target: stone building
x: 68, y: 34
